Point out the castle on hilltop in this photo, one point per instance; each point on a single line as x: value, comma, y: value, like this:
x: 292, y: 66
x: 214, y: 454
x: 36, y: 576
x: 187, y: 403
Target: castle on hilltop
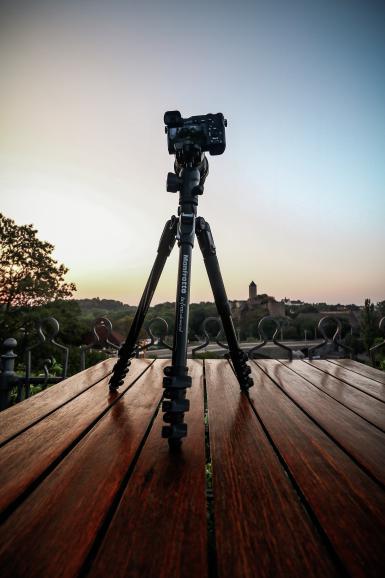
x: 239, y: 307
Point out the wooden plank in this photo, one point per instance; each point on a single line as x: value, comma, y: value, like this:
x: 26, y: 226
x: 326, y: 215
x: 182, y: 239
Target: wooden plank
x: 364, y: 442
x: 160, y: 528
x: 24, y: 414
x: 261, y: 527
x: 52, y: 531
x: 26, y: 457
x: 349, y: 506
x: 364, y: 405
x: 361, y: 382
x: 361, y: 368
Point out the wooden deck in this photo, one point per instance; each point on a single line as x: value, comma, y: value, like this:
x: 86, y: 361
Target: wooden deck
x: 89, y: 488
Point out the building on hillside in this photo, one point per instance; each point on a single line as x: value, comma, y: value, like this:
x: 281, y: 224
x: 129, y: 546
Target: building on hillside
x: 276, y: 308
x: 240, y: 307
x: 292, y: 302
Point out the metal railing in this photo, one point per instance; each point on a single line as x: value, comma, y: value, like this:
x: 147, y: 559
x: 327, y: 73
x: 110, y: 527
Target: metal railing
x: 16, y: 385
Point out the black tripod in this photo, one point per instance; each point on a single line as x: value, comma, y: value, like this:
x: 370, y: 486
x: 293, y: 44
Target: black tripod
x: 191, y: 170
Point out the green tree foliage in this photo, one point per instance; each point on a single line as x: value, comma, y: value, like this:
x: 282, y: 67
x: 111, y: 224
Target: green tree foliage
x: 198, y: 313
x: 28, y: 273
x: 304, y: 321
x: 381, y: 308
x: 121, y: 324
x: 369, y: 324
x: 96, y: 304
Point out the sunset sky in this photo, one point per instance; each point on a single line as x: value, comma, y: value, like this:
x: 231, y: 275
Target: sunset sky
x: 296, y: 202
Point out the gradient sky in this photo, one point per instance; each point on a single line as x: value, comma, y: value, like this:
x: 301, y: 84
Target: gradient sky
x: 296, y: 202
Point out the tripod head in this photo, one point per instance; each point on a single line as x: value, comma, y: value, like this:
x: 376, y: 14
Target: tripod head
x: 175, y: 180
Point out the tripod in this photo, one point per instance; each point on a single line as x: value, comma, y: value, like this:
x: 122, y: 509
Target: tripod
x: 189, y: 177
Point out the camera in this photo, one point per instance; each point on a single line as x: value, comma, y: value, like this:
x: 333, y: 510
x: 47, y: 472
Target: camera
x: 206, y: 132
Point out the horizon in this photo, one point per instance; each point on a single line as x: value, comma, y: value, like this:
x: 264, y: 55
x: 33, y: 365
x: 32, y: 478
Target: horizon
x: 74, y: 298
x: 296, y: 201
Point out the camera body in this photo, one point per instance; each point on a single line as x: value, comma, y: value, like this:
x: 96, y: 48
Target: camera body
x: 206, y: 132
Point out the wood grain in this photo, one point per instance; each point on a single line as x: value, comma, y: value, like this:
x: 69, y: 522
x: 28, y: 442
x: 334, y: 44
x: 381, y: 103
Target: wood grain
x: 349, y: 506
x: 24, y: 414
x: 51, y: 532
x: 159, y: 529
x: 364, y: 405
x: 292, y: 493
x: 361, y: 368
x: 26, y: 457
x: 261, y: 528
x: 364, y: 442
x: 369, y: 386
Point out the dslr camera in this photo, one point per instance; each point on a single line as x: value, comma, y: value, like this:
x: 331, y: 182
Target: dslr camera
x: 206, y: 132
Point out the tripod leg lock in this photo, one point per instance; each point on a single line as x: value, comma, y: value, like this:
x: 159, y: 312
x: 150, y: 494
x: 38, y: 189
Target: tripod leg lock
x: 176, y: 379
x: 119, y: 373
x: 177, y: 382
x: 175, y: 404
x: 241, y: 369
x: 174, y: 432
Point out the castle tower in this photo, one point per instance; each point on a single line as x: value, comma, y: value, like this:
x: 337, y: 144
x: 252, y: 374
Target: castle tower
x: 252, y: 291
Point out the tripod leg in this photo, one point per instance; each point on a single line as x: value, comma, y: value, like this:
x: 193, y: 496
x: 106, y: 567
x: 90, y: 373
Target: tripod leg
x: 176, y: 378
x: 238, y: 357
x: 166, y: 244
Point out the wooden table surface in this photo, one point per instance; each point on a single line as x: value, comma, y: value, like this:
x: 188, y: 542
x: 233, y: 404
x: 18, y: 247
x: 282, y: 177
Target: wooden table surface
x: 286, y: 482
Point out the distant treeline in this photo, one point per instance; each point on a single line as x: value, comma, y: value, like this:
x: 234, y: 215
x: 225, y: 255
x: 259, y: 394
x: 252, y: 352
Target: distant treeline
x: 97, y: 303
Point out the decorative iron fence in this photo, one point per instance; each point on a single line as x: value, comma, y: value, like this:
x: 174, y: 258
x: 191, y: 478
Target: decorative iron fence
x: 18, y: 385
x: 269, y: 328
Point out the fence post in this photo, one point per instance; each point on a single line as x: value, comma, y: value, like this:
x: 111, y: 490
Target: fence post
x: 8, y: 377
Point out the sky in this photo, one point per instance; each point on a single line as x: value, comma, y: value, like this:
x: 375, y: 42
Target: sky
x: 296, y: 202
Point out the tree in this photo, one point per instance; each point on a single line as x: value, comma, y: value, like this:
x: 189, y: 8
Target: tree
x: 368, y: 324
x: 28, y: 273
x: 381, y: 308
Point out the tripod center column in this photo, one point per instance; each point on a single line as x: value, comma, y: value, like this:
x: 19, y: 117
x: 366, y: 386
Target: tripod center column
x: 186, y: 234
x: 176, y: 379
